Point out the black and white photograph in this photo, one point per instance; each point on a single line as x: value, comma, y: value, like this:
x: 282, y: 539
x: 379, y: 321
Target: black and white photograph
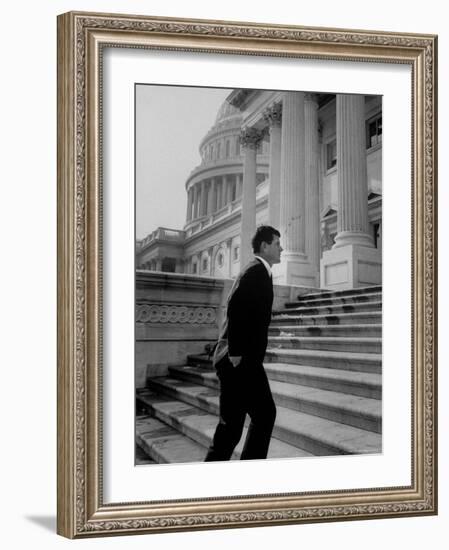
x: 258, y: 274
x: 223, y: 245
x: 246, y: 275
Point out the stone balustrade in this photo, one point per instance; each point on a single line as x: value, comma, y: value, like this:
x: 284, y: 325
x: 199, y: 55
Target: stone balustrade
x: 163, y: 234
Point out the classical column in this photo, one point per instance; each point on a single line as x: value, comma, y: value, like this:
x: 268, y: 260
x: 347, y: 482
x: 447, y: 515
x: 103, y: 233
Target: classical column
x: 231, y: 184
x: 239, y: 185
x: 189, y: 204
x: 224, y: 191
x: 293, y: 174
x: 353, y: 261
x: 273, y: 117
x: 295, y: 267
x: 203, y: 205
x: 210, y: 198
x: 322, y: 169
x: 352, y: 219
x: 195, y: 200
x: 188, y: 207
x: 312, y: 191
x: 216, y: 195
x: 199, y: 199
x: 249, y: 139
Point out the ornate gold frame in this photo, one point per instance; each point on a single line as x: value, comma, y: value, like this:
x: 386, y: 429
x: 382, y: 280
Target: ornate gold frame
x: 81, y: 37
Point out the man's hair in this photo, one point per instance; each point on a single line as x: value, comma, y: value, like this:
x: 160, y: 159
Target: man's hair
x: 264, y: 234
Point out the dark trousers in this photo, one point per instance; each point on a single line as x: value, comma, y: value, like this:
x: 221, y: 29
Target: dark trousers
x: 243, y: 390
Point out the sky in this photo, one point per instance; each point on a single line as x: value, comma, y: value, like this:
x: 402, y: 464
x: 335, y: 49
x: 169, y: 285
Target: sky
x: 170, y: 123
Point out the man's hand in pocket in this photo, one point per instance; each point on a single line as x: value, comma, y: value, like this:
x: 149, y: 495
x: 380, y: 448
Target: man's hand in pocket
x: 235, y: 360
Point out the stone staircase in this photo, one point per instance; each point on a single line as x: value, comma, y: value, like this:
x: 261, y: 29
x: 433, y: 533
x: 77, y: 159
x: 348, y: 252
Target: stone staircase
x: 324, y: 363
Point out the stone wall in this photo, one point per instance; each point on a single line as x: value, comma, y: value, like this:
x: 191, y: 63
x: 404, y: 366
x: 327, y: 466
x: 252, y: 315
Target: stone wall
x: 176, y: 315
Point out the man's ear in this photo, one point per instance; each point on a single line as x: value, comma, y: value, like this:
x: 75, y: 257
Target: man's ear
x: 263, y: 246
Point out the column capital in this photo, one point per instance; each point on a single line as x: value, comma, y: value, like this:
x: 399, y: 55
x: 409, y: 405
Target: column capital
x: 251, y: 137
x: 273, y: 115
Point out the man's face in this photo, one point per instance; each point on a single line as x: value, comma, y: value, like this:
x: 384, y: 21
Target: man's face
x: 272, y: 252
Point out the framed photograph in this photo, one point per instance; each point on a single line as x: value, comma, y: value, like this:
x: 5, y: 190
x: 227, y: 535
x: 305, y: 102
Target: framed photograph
x: 247, y: 274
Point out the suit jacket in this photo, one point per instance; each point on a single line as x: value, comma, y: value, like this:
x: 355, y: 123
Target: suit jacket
x: 245, y: 330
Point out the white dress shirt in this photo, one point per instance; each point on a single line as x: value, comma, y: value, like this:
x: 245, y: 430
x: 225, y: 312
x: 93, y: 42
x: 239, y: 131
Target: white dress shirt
x: 265, y: 263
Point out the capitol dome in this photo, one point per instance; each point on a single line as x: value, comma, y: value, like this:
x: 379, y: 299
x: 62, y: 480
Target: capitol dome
x: 226, y: 111
x: 227, y: 124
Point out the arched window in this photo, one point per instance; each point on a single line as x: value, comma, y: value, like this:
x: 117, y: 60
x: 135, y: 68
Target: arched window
x: 218, y: 150
x: 228, y: 148
x: 237, y: 147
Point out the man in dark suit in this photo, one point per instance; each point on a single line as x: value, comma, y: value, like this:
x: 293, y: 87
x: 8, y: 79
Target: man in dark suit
x: 239, y: 354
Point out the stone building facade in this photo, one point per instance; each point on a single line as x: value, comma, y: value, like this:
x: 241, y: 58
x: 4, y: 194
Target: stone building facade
x: 309, y: 164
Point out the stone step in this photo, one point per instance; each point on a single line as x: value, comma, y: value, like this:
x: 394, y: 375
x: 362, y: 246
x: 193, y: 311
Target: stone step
x: 201, y: 360
x: 324, y: 437
x: 355, y: 411
x: 360, y: 345
x: 165, y: 444
x: 349, y: 361
x: 361, y: 412
x: 288, y: 319
x: 366, y: 330
x: 305, y: 301
x: 331, y: 309
x: 362, y: 384
x: 360, y: 362
x: 313, y: 434
x: 141, y: 457
x: 340, y: 293
x: 199, y: 426
x: 196, y: 375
